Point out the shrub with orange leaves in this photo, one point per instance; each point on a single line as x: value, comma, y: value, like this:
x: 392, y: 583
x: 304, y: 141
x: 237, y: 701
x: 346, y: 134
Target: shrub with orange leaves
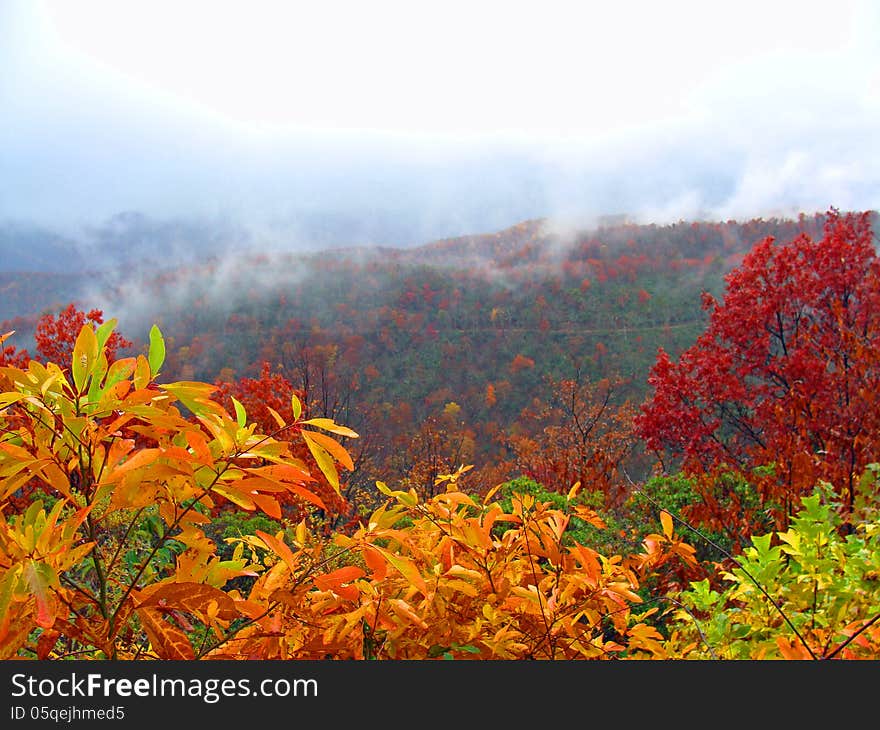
x: 111, y: 561
x: 447, y: 577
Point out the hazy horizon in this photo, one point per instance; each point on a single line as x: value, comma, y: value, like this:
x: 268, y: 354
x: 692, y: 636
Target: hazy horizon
x: 296, y: 126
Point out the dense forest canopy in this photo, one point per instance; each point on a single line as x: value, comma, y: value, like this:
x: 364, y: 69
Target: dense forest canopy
x: 391, y: 337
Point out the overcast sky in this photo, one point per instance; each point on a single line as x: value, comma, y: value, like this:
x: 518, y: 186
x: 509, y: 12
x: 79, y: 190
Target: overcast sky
x: 447, y: 117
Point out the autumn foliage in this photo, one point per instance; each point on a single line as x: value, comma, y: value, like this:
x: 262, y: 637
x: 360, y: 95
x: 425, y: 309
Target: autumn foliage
x: 55, y: 336
x: 583, y: 435
x: 116, y: 482
x: 786, y: 374
x: 113, y: 560
x: 270, y: 400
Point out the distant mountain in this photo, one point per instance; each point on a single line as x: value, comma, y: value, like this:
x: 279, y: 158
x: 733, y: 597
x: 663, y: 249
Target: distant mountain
x: 29, y: 248
x: 131, y: 239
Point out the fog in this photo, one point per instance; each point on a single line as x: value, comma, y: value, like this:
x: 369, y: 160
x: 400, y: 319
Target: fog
x: 156, y: 129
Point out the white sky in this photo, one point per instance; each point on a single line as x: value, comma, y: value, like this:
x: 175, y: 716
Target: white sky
x: 781, y: 95
x: 474, y: 66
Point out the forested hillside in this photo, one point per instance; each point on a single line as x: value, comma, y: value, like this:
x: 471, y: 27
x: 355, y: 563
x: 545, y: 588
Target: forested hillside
x: 445, y: 353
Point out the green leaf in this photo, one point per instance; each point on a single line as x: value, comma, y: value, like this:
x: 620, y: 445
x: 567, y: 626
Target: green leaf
x: 7, y: 399
x: 98, y: 374
x: 240, y: 414
x: 296, y: 406
x: 104, y: 332
x: 156, y: 354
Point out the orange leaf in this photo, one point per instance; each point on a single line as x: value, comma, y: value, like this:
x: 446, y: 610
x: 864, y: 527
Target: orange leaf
x: 348, y: 592
x: 268, y: 504
x: 306, y: 494
x: 141, y: 458
x: 168, y: 641
x: 47, y: 642
x: 666, y: 521
x: 791, y: 650
x: 194, y: 598
x: 333, y: 580
x: 375, y: 562
x: 199, y: 445
x: 282, y: 472
x: 280, y: 548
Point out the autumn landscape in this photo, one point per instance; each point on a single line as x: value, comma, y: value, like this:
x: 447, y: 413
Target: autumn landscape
x: 636, y: 441
x: 375, y: 335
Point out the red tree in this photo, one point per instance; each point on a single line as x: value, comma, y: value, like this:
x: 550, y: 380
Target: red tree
x: 55, y: 336
x: 787, y: 371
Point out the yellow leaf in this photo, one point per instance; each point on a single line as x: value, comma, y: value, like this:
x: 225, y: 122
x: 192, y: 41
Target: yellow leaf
x: 491, y: 492
x: 142, y: 374
x: 301, y: 533
x: 335, y: 449
x: 85, y: 353
x: 462, y: 586
x: 275, y: 415
x: 7, y: 399
x: 405, y: 498
x: 328, y: 424
x: 235, y: 496
x: 405, y: 567
x: 323, y: 459
x: 227, y: 443
x: 666, y: 521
